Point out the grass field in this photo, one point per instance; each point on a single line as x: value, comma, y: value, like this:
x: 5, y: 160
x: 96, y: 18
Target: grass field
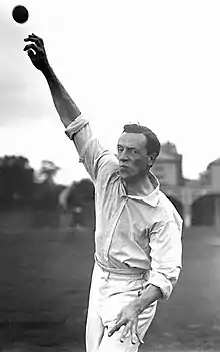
x: 44, y: 284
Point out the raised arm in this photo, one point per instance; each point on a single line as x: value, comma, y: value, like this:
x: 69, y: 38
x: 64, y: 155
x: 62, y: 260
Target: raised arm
x: 65, y: 106
x: 91, y: 152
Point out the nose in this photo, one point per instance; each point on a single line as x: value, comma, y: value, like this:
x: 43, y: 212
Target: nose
x: 123, y: 155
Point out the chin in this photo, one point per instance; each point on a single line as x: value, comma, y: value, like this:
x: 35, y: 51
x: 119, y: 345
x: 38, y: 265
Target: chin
x: 131, y: 178
x: 127, y: 177
x: 124, y: 175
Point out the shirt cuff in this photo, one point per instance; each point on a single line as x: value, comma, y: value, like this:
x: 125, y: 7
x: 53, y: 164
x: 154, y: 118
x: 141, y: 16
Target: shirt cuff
x: 76, y: 126
x: 159, y: 280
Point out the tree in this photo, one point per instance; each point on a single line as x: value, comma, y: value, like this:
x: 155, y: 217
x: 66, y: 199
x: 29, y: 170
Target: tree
x: 46, y: 191
x: 16, y: 181
x: 77, y: 194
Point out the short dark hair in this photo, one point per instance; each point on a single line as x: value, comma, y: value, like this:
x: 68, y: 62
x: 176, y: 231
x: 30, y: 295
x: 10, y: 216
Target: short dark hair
x: 153, y: 144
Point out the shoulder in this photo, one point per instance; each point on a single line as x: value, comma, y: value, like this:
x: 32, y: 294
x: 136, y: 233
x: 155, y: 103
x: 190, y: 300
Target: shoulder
x: 166, y: 211
x: 108, y: 167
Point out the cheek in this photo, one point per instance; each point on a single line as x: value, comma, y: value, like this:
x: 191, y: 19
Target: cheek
x: 139, y: 164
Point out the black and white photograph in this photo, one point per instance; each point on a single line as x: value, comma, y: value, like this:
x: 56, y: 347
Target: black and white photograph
x: 109, y: 176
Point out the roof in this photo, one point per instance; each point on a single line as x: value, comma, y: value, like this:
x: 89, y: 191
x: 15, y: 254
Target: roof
x: 214, y: 163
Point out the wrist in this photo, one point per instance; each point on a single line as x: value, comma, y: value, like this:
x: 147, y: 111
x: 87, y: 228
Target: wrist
x: 47, y: 70
x: 138, y: 306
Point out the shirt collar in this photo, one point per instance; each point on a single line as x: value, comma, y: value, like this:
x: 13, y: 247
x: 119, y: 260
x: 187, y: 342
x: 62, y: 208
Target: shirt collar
x: 152, y: 198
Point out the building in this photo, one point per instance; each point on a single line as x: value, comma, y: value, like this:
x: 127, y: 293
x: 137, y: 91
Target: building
x: 198, y: 201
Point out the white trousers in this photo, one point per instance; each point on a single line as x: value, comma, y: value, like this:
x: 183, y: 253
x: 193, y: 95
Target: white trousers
x: 109, y: 293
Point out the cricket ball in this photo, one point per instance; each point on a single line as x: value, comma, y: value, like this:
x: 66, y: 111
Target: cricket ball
x: 20, y: 14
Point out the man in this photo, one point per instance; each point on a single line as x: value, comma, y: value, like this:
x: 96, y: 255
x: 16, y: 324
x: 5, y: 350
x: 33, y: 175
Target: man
x: 138, y: 231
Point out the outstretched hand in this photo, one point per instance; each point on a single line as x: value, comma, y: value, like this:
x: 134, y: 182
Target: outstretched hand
x: 36, y: 52
x: 129, y: 318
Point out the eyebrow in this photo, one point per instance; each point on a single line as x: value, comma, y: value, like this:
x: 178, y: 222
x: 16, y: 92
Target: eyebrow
x: 131, y: 147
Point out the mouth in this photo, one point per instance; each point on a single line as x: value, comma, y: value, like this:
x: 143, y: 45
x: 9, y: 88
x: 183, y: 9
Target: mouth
x: 124, y: 169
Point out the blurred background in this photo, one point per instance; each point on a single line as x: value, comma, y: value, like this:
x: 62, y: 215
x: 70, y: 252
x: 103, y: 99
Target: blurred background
x: 156, y: 63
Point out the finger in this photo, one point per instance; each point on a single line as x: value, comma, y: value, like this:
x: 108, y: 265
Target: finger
x: 116, y: 320
x: 34, y: 35
x: 125, y: 331
x: 140, y: 340
x: 31, y: 54
x: 37, y: 38
x: 135, y: 337
x: 31, y: 46
x: 116, y: 327
x: 31, y: 36
x: 37, y: 41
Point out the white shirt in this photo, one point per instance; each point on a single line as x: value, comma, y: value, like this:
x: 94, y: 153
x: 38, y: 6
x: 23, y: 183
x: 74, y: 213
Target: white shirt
x: 131, y: 232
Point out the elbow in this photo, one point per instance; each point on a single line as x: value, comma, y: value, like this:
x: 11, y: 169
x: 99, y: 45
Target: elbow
x: 166, y: 281
x: 174, y: 279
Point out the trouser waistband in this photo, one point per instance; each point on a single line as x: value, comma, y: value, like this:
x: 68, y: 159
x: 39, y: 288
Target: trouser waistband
x: 134, y: 272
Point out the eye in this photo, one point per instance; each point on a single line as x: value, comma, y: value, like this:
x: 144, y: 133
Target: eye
x: 134, y: 151
x: 120, y: 149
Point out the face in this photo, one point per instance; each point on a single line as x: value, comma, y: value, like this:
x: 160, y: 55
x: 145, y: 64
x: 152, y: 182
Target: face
x: 134, y: 162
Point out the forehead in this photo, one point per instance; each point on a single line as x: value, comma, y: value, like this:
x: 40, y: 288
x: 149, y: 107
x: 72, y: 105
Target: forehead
x: 132, y: 140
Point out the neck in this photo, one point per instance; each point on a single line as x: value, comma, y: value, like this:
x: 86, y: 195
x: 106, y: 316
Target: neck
x: 139, y: 186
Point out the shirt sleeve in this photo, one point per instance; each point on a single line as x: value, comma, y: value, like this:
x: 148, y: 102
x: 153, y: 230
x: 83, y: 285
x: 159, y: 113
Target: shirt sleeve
x: 166, y: 256
x: 91, y: 153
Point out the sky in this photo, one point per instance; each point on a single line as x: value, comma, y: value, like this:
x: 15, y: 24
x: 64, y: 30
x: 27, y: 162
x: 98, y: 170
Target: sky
x: 154, y: 62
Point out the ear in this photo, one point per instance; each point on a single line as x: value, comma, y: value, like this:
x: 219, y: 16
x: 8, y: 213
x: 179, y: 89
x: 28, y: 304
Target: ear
x: 152, y: 157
